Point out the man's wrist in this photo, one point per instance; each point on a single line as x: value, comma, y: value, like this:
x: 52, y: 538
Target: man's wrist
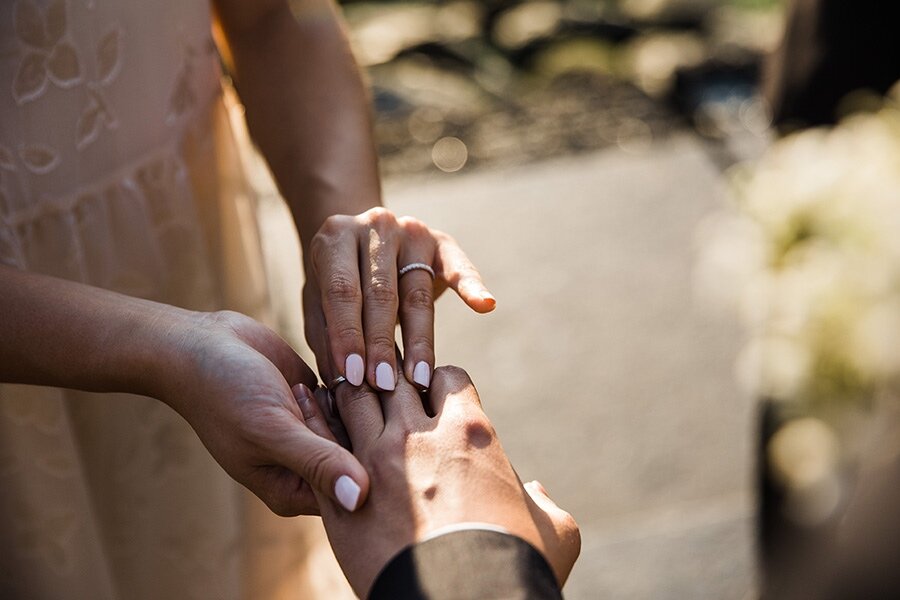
x: 469, y: 563
x: 463, y: 526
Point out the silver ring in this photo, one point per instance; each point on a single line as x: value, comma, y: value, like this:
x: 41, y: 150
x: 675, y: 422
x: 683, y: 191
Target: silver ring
x: 412, y: 267
x: 337, y: 381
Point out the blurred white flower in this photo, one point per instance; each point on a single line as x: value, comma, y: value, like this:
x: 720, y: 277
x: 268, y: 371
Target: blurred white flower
x: 809, y: 256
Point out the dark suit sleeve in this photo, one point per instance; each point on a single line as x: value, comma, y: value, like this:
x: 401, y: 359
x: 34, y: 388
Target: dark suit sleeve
x: 467, y: 565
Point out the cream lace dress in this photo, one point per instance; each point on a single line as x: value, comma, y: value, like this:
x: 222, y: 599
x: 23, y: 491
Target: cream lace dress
x: 119, y: 167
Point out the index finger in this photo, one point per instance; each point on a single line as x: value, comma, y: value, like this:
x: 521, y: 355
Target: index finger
x: 460, y: 274
x: 335, y: 259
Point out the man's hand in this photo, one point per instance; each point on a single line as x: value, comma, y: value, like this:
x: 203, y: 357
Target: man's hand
x: 428, y: 472
x: 354, y: 296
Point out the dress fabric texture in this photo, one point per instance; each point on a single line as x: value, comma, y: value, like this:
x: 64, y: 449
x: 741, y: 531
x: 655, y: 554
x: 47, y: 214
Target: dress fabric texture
x: 121, y: 166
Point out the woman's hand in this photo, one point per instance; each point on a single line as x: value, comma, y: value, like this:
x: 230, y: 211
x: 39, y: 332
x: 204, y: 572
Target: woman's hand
x: 429, y: 472
x: 231, y: 379
x: 354, y: 295
x: 226, y: 374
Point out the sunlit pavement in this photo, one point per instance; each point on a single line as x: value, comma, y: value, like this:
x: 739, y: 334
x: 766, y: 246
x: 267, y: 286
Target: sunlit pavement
x: 606, y: 379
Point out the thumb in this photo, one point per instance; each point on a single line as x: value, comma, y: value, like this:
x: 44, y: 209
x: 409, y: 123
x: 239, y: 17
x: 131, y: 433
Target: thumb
x: 540, y: 496
x: 559, y: 532
x: 331, y: 470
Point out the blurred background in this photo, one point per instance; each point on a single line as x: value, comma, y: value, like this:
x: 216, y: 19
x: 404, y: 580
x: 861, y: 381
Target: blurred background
x: 466, y: 85
x: 576, y: 149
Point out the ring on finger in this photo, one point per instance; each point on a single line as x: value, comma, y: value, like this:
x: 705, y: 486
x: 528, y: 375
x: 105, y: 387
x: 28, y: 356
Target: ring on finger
x: 413, y: 266
x: 336, y: 381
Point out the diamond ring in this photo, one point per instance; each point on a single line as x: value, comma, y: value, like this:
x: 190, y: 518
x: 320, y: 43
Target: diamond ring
x: 413, y: 266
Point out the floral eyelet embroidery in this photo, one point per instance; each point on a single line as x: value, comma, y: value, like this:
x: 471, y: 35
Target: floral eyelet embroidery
x: 49, y: 56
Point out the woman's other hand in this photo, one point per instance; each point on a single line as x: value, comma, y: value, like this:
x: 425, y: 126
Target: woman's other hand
x: 355, y: 296
x: 227, y: 375
x: 429, y: 472
x: 231, y: 379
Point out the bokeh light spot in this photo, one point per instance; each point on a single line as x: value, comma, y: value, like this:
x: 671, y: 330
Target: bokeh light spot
x: 449, y: 154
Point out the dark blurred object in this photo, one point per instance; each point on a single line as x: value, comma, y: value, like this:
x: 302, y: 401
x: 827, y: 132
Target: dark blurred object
x: 699, y: 90
x: 788, y: 546
x: 857, y: 555
x: 831, y: 48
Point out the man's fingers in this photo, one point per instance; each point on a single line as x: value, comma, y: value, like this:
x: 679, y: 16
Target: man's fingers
x: 417, y: 302
x: 360, y: 410
x: 455, y: 267
x: 312, y: 413
x: 540, y: 496
x: 320, y: 461
x: 328, y: 407
x: 335, y: 258
x: 452, y: 387
x: 379, y: 290
x: 564, y: 545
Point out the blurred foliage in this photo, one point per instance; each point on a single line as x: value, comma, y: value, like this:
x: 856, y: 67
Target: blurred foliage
x: 811, y: 258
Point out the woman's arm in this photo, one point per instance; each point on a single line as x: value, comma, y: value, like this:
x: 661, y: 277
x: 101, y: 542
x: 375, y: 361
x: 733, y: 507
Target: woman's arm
x: 308, y: 110
x: 226, y: 374
x: 59, y: 333
x: 307, y: 107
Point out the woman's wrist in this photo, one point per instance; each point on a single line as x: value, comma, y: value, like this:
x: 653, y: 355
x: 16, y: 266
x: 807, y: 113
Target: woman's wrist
x: 59, y: 333
x: 151, y: 351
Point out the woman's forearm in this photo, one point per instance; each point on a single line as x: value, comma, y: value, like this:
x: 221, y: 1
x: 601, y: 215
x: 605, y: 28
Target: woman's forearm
x: 307, y: 107
x: 65, y: 334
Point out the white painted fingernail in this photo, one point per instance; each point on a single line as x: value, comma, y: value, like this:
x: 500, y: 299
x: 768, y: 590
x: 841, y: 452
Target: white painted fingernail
x: 347, y: 492
x: 355, y: 369
x: 384, y: 377
x: 422, y: 374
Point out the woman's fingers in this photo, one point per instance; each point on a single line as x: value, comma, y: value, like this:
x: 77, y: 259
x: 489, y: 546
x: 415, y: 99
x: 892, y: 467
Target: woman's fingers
x: 356, y: 263
x: 335, y: 258
x: 457, y: 270
x: 269, y: 344
x: 417, y: 302
x: 403, y: 407
x: 379, y: 289
x: 312, y: 453
x: 315, y: 331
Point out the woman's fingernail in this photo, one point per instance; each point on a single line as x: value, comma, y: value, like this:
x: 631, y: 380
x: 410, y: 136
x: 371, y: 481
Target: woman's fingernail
x: 355, y: 369
x: 422, y: 374
x: 347, y: 492
x: 488, y: 297
x: 384, y: 377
